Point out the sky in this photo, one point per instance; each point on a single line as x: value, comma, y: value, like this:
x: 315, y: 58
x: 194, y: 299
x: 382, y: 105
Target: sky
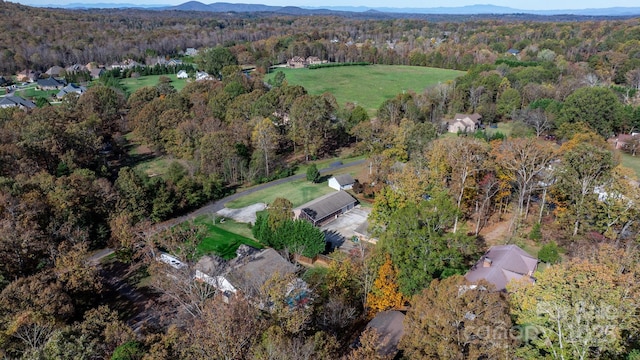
x: 516, y: 4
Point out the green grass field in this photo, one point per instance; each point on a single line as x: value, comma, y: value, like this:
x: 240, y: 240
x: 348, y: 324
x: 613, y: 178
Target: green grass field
x: 368, y: 86
x: 504, y: 127
x: 133, y: 84
x: 298, y: 192
x: 325, y: 163
x: 156, y: 166
x: 632, y: 162
x: 32, y: 92
x: 222, y: 241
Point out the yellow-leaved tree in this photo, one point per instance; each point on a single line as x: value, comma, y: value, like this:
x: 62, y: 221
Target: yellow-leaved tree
x: 385, y: 294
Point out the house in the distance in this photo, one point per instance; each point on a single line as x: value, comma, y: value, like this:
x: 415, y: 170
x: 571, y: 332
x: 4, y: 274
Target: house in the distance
x: 623, y: 141
x: 201, y: 76
x: 75, y: 68
x: 27, y: 76
x: 191, y: 52
x: 50, y: 83
x: 96, y: 73
x: 513, y: 52
x: 71, y: 88
x: 502, y: 264
x: 182, y: 74
x: 174, y: 62
x: 341, y: 182
x: 325, y: 208
x: 55, y: 71
x: 296, y: 62
x: 464, y: 123
x: 313, y: 60
x: 14, y: 100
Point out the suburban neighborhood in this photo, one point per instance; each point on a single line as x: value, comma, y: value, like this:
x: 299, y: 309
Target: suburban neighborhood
x: 246, y: 181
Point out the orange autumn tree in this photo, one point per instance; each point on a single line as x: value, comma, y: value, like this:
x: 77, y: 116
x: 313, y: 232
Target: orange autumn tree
x: 385, y: 294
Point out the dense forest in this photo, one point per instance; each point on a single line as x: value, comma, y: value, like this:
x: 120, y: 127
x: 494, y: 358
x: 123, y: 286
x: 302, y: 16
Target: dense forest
x: 36, y: 39
x: 69, y: 186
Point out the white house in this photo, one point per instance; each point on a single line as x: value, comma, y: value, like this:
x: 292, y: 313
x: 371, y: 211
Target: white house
x: 341, y: 182
x: 201, y: 75
x: 182, y: 74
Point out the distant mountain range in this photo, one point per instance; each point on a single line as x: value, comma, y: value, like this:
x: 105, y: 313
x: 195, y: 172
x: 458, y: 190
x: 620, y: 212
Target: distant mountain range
x: 306, y: 10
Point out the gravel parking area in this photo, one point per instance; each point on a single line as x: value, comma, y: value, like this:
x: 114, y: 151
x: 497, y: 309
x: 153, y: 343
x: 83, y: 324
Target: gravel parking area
x: 245, y: 214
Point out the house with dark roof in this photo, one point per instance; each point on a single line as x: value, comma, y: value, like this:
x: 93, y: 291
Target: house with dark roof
x: 75, y: 68
x: 14, y: 100
x: 325, y: 208
x: 464, y: 123
x: 341, y: 182
x: 513, y: 52
x: 502, y: 264
x: 50, y: 83
x: 71, y: 88
x: 174, y: 62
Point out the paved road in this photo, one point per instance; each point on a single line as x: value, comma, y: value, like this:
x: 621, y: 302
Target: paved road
x: 218, y: 205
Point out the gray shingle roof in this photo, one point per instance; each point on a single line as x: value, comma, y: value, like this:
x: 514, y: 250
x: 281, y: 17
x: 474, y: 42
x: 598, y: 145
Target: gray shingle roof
x: 250, y: 272
x: 345, y: 179
x: 507, y: 262
x: 390, y: 328
x: 50, y: 82
x: 71, y: 88
x: 326, y: 205
x: 9, y: 101
x: 475, y: 117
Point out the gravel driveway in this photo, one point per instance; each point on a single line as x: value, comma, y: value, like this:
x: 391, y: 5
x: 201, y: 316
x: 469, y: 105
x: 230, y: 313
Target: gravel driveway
x: 245, y: 215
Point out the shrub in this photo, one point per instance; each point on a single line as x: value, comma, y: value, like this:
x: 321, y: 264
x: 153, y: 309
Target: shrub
x: 549, y: 253
x: 535, y: 233
x: 313, y: 174
x: 130, y: 350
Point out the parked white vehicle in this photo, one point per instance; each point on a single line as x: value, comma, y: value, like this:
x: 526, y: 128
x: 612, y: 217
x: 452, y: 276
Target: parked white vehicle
x: 171, y: 261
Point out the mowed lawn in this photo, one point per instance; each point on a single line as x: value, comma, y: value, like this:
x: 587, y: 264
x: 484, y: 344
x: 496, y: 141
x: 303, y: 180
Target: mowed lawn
x: 133, y: 84
x: 298, y: 192
x: 632, y: 162
x: 368, y: 86
x: 220, y: 241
